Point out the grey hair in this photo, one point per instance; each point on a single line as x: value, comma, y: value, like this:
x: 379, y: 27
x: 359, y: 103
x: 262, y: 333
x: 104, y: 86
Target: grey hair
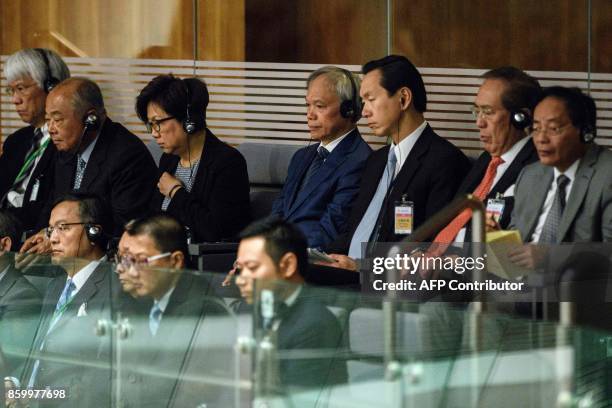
x: 87, y: 95
x: 29, y: 62
x: 340, y: 81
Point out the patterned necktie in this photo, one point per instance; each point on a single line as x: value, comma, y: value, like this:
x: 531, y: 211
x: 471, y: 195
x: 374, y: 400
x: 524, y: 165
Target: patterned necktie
x: 368, y: 222
x: 65, y: 296
x: 448, y: 234
x: 318, y: 160
x: 30, y: 159
x: 154, y: 318
x: 80, y: 172
x: 553, y: 219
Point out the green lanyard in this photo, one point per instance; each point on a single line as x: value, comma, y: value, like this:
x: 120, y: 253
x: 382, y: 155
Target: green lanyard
x: 31, y: 157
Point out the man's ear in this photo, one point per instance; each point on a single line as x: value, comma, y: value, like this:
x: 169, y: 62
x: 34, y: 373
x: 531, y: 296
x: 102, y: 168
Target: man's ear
x: 288, y: 265
x: 405, y: 95
x: 5, y: 244
x: 178, y: 260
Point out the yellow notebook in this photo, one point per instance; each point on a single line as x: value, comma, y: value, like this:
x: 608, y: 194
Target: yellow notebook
x: 499, y: 243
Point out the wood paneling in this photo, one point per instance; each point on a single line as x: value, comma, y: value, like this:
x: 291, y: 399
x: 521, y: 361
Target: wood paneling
x: 315, y: 31
x: 125, y: 29
x: 531, y: 34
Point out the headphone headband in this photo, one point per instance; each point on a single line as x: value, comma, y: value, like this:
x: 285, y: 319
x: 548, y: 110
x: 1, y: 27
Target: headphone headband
x: 350, y: 109
x: 189, y: 125
x: 50, y: 81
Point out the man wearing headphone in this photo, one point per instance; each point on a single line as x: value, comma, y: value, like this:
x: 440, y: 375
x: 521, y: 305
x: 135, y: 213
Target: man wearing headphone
x: 95, y: 155
x: 567, y: 195
x: 323, y: 179
x: 26, y: 164
x: 74, y: 302
x: 503, y: 110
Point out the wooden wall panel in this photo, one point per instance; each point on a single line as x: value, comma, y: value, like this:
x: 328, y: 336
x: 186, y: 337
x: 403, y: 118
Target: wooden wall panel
x: 315, y: 31
x: 531, y: 34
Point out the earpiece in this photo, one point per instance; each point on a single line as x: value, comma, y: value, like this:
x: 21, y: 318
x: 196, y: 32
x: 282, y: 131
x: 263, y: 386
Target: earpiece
x: 91, y: 121
x: 350, y: 109
x: 94, y: 233
x: 520, y: 119
x: 50, y: 81
x: 189, y: 125
x: 587, y: 135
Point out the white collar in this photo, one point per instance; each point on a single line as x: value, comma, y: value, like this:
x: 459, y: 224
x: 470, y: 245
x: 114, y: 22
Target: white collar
x: 83, y: 275
x: 292, y: 298
x: 332, y: 145
x: 570, y: 172
x: 403, y: 149
x: 4, y: 272
x: 511, y: 154
x: 164, y: 300
x: 86, y: 154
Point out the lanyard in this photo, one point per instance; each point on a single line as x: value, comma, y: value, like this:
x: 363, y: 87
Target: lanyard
x: 31, y: 157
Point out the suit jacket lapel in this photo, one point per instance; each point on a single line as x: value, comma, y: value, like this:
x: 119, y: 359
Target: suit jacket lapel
x: 524, y: 157
x: 333, y: 161
x: 97, y: 159
x: 538, y: 196
x: 584, y: 174
x: 309, y: 156
x: 412, y: 162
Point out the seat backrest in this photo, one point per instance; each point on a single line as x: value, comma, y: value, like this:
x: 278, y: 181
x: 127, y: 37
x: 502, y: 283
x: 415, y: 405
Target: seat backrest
x: 267, y: 163
x: 155, y: 150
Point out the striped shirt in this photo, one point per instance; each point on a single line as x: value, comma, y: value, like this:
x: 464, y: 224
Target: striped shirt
x: 187, y: 176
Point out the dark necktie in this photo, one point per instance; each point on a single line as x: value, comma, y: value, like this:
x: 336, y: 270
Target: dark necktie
x: 551, y: 225
x: 319, y: 159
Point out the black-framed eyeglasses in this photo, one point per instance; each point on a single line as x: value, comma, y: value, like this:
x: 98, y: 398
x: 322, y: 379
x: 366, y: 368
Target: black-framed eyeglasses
x: 127, y: 260
x: 61, y: 228
x: 156, y: 124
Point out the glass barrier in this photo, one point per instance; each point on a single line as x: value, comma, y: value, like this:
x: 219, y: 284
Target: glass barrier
x: 120, y: 337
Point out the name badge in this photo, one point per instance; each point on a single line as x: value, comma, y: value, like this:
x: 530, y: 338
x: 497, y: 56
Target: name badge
x: 34, y: 193
x: 495, y: 208
x: 404, y: 216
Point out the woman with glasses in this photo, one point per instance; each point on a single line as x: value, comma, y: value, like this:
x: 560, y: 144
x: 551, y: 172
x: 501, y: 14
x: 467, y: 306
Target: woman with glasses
x: 203, y: 182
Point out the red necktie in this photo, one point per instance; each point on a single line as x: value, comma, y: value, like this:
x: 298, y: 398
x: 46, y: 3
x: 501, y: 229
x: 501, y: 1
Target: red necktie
x: 448, y: 234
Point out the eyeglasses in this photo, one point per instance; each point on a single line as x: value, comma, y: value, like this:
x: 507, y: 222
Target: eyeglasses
x: 19, y: 89
x: 536, y: 130
x: 127, y: 260
x: 479, y: 112
x: 61, y: 228
x: 156, y: 124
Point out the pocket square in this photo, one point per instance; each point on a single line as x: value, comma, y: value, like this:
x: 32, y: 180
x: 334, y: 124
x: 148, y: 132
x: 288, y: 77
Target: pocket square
x: 82, y: 310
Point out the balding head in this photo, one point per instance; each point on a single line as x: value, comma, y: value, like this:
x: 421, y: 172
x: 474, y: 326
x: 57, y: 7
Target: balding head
x: 67, y: 106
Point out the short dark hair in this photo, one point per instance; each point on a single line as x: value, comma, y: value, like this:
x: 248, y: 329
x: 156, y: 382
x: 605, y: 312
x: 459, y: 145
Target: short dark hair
x: 167, y: 232
x: 11, y: 227
x: 522, y: 91
x: 396, y: 72
x: 281, y: 237
x: 93, y: 209
x: 580, y: 107
x: 87, y: 95
x: 173, y: 95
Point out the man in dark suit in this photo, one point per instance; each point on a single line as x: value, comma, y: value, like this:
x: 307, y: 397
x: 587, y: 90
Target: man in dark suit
x: 323, y: 179
x: 95, y: 155
x: 503, y: 110
x: 272, y: 259
x: 168, y: 336
x: 66, y: 353
x: 567, y: 195
x: 19, y: 301
x: 26, y: 163
x: 419, y: 170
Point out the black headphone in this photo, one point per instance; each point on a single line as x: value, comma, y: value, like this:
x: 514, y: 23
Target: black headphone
x: 50, y: 81
x: 94, y: 233
x: 520, y: 118
x: 351, y: 109
x: 91, y: 121
x: 587, y: 132
x: 189, y: 125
